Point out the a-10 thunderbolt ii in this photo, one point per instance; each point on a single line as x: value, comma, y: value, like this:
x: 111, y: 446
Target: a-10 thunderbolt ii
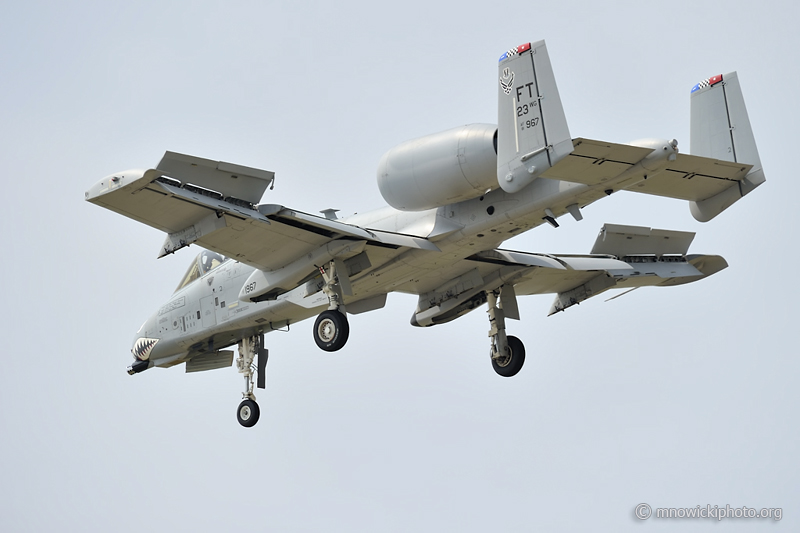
x: 453, y: 197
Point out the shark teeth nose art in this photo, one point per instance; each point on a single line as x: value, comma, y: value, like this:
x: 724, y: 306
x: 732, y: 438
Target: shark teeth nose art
x: 141, y: 350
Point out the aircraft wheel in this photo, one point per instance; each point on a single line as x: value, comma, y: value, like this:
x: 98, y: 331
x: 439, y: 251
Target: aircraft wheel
x: 248, y: 413
x: 331, y: 330
x: 512, y: 363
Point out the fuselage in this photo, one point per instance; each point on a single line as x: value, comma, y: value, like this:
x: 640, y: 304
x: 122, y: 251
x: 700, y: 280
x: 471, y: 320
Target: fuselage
x: 207, y: 314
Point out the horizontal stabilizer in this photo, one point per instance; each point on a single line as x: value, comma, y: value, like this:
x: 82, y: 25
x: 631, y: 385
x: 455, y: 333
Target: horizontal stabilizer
x: 688, y: 177
x: 724, y: 165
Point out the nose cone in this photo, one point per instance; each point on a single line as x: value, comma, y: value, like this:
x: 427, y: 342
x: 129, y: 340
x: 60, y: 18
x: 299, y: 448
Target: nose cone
x: 145, y: 340
x: 143, y: 347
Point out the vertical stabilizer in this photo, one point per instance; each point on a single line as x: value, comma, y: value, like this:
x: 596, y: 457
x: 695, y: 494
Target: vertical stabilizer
x: 720, y: 129
x: 532, y: 132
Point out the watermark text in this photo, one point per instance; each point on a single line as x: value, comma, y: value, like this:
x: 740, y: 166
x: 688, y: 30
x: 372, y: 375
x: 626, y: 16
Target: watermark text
x: 643, y: 511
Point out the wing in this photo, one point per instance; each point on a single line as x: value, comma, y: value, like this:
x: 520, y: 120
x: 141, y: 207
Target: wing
x: 214, y: 204
x: 623, y: 257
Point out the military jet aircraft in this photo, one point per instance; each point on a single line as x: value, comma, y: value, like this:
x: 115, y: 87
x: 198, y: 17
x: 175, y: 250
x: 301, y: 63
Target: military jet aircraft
x: 453, y: 197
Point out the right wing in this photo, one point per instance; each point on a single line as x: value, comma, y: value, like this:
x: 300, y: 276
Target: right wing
x: 623, y: 257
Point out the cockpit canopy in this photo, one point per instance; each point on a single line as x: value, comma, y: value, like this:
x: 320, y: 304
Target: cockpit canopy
x: 205, y: 262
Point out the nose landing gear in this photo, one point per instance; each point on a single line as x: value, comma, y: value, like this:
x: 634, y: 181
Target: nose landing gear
x: 248, y: 412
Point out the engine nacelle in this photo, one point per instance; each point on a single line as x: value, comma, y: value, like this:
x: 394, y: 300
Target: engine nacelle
x: 440, y: 169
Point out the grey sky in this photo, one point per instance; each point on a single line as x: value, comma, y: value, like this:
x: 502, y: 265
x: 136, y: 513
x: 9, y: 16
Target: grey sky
x: 676, y: 397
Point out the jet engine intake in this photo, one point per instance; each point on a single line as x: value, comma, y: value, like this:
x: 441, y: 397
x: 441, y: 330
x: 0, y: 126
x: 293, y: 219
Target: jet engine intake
x: 440, y: 169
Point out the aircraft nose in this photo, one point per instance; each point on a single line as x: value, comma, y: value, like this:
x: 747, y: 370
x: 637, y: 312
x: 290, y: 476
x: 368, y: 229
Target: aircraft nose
x: 142, y: 348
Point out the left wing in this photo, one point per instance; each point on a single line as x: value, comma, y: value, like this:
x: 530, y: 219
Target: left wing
x: 214, y: 204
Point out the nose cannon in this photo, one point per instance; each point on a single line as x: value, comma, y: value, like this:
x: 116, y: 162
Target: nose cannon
x: 138, y: 366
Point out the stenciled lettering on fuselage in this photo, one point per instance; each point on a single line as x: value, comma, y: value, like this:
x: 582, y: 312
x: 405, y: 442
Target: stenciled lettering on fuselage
x: 174, y: 304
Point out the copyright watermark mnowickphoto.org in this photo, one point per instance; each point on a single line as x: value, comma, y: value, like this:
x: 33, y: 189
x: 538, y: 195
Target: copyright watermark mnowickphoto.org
x: 644, y: 511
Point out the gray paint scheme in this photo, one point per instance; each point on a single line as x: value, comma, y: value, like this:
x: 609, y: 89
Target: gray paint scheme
x: 720, y: 129
x: 448, y: 255
x: 532, y: 115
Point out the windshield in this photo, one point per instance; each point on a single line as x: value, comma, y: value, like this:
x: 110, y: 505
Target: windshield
x: 205, y: 262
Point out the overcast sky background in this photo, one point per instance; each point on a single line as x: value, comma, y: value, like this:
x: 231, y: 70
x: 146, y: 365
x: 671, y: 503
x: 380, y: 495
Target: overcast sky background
x: 675, y: 397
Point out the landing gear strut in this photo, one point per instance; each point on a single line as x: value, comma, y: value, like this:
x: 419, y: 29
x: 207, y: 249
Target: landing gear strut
x: 250, y: 347
x: 331, y: 329
x: 507, y: 352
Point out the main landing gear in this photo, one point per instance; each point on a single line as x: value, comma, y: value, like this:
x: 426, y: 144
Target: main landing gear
x: 507, y: 352
x: 250, y: 348
x: 331, y: 329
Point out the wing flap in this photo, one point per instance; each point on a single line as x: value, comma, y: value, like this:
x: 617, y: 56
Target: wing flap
x: 231, y: 180
x: 622, y: 241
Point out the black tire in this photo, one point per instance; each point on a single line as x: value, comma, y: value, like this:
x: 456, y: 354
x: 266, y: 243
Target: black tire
x: 511, y: 365
x: 331, y: 330
x: 248, y: 413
